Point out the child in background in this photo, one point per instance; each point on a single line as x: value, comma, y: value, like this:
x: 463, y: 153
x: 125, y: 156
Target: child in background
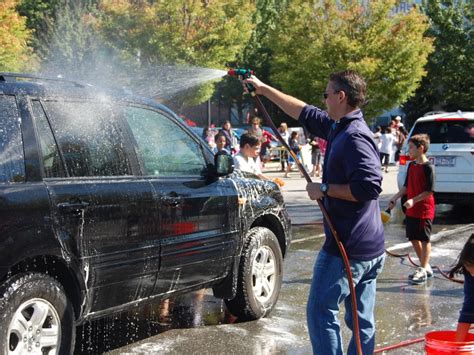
x: 465, y: 265
x: 387, y: 140
x: 315, y: 156
x: 248, y: 158
x: 420, y: 204
x: 295, y: 147
x: 221, y: 144
x: 285, y: 134
x: 208, y: 137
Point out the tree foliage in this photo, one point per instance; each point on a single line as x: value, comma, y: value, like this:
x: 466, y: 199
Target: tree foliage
x: 315, y: 38
x: 205, y: 34
x: 15, y: 54
x: 258, y: 51
x: 37, y: 13
x: 198, y: 33
x: 449, y: 84
x: 70, y: 43
x: 255, y: 55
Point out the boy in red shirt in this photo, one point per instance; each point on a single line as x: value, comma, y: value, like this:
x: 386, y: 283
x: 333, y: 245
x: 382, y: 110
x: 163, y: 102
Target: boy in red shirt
x: 420, y: 204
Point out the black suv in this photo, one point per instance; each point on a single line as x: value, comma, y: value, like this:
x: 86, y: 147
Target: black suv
x: 109, y: 200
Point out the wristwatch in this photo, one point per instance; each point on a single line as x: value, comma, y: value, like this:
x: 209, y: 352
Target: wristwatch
x: 324, y: 187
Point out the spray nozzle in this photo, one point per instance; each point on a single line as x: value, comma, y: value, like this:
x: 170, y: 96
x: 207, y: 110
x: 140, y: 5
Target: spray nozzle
x: 243, y: 74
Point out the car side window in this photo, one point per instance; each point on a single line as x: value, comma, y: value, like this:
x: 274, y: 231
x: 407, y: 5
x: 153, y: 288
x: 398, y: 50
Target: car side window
x: 89, y: 138
x: 165, y: 148
x: 12, y: 160
x: 52, y: 164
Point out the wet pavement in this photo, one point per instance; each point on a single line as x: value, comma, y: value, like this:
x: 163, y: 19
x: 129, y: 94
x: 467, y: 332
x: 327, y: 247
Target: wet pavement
x: 199, y: 323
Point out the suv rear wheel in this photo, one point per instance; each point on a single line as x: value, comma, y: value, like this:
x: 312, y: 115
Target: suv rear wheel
x: 260, y: 276
x: 36, y: 317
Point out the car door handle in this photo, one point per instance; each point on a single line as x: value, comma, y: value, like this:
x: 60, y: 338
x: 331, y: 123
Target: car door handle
x: 171, y: 199
x: 171, y: 202
x: 73, y: 206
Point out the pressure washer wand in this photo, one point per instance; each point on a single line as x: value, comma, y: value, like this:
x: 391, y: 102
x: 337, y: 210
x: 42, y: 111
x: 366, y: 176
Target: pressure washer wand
x: 247, y: 73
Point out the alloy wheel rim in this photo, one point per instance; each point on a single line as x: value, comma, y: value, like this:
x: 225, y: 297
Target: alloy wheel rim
x: 264, y: 274
x: 35, y: 329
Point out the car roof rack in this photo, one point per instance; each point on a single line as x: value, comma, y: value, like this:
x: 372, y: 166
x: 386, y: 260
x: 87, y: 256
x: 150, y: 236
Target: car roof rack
x: 10, y: 77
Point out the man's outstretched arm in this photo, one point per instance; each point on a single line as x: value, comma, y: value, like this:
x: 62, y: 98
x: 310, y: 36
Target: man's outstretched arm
x: 291, y: 105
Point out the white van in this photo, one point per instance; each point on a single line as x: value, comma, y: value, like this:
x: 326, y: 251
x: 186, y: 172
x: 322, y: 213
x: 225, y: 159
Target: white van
x: 451, y: 152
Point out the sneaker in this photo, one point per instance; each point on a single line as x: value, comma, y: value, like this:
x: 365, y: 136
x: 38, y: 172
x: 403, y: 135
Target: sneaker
x: 420, y: 276
x: 429, y: 273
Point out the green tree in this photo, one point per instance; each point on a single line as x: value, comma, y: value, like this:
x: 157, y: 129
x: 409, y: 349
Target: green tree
x: 206, y: 34
x: 449, y: 84
x: 71, y: 44
x: 15, y: 54
x: 256, y: 55
x: 258, y: 51
x: 37, y: 13
x: 315, y: 38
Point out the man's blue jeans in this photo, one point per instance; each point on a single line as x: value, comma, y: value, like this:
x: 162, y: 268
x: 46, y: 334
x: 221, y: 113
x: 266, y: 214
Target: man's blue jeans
x: 329, y: 289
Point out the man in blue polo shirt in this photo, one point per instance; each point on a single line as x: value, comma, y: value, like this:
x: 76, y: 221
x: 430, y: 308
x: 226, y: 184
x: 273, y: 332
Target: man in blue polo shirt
x: 350, y: 188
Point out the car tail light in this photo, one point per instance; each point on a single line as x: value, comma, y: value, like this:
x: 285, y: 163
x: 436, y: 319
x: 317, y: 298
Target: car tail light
x: 404, y: 159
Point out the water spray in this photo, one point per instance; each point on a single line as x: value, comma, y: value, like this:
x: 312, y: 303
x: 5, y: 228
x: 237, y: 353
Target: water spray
x: 243, y: 74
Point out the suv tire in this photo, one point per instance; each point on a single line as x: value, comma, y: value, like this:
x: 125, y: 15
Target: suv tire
x: 33, y: 305
x: 260, y: 276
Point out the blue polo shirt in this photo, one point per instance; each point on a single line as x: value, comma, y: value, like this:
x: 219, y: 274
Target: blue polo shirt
x: 351, y: 158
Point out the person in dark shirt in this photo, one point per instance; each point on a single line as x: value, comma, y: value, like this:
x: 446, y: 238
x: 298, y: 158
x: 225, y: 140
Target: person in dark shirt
x: 465, y: 265
x: 420, y: 204
x: 296, y: 148
x: 351, y: 184
x: 228, y: 133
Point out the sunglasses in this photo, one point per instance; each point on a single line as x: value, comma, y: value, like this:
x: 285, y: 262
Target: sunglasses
x: 326, y: 94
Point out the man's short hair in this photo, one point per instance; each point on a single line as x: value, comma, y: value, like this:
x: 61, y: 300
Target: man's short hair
x: 421, y: 140
x: 352, y: 84
x: 249, y: 139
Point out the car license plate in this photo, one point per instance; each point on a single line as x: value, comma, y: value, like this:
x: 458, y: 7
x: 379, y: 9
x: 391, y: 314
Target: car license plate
x: 443, y: 161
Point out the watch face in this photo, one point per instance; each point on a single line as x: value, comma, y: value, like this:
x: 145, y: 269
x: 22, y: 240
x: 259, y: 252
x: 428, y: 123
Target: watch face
x: 324, y: 187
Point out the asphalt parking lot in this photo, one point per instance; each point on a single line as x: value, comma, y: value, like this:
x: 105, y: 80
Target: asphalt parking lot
x: 199, y: 323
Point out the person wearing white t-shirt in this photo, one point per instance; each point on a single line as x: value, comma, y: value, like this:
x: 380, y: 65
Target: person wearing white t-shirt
x: 248, y: 157
x: 387, y: 140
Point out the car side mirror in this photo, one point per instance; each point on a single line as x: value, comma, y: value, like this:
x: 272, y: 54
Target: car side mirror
x: 224, y: 163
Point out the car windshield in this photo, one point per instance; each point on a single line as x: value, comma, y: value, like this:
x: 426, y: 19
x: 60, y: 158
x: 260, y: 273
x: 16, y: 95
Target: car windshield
x: 449, y: 131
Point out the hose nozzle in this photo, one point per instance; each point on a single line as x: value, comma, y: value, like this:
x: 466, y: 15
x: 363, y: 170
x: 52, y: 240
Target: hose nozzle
x: 243, y: 74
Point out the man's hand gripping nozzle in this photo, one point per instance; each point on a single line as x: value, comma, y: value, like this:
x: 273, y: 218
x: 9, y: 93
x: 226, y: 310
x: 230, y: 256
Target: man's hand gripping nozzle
x: 243, y: 74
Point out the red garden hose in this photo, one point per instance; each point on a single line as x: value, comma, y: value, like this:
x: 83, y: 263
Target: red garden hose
x: 303, y: 171
x: 399, y: 345
x: 407, y: 255
x: 416, y: 340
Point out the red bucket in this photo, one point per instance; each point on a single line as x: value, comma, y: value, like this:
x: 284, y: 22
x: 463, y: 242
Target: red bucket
x: 443, y: 342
